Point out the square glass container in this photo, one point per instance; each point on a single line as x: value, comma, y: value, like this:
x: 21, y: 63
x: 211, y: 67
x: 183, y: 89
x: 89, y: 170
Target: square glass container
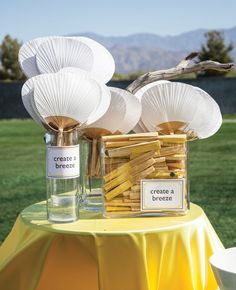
x: 145, y: 174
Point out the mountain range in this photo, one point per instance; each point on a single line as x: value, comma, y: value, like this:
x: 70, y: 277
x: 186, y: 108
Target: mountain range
x: 147, y: 52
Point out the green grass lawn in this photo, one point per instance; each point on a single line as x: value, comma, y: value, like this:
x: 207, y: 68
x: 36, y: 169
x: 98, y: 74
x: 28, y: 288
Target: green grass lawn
x: 212, y: 169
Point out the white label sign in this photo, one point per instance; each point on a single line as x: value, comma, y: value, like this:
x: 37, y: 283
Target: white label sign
x: 63, y: 161
x: 162, y: 194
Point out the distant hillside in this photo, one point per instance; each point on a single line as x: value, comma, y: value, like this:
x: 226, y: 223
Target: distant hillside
x: 147, y: 52
x: 131, y: 59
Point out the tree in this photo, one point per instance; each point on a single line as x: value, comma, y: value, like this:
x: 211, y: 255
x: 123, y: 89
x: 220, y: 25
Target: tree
x: 10, y: 68
x: 216, y: 50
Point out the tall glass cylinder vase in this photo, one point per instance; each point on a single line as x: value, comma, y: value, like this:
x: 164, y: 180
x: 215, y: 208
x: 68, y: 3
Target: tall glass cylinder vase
x: 62, y: 174
x: 91, y: 174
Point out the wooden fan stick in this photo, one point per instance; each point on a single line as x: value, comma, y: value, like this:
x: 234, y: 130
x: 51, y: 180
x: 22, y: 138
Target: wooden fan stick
x: 183, y: 67
x: 95, y: 159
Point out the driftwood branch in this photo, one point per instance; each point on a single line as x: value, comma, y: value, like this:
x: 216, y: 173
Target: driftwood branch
x: 187, y: 60
x: 184, y: 67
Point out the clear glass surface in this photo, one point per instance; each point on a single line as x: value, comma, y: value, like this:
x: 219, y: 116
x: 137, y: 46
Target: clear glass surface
x: 145, y: 175
x: 62, y: 191
x: 91, y: 175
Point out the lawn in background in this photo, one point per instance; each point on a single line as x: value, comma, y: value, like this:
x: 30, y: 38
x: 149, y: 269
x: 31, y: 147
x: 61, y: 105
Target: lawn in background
x: 212, y: 171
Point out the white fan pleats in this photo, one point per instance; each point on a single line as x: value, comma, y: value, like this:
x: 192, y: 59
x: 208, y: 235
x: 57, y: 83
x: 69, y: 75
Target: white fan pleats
x: 57, y: 53
x: 113, y: 118
x: 27, y: 56
x: 73, y: 96
x: 133, y: 110
x: 103, y: 66
x: 28, y: 102
x: 66, y: 95
x: 168, y: 103
x: 51, y: 54
x: 140, y: 92
x: 104, y: 103
x: 212, y: 120
x: 122, y: 115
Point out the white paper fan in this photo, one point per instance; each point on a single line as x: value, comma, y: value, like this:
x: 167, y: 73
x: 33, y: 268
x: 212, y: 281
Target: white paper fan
x: 104, y: 65
x: 132, y: 112
x: 27, y: 94
x: 55, y: 54
x: 140, y: 127
x: 105, y: 94
x: 175, y: 107
x: 111, y: 121
x: 212, y: 124
x: 141, y: 91
x: 76, y: 70
x: 27, y: 86
x: 27, y: 99
x: 27, y: 56
x: 65, y: 100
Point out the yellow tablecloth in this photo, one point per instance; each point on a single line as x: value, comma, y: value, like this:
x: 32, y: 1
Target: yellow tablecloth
x: 155, y: 253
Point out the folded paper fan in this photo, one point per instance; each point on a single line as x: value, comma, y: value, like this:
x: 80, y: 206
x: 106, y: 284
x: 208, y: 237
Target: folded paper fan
x: 57, y: 53
x: 132, y: 112
x: 65, y: 101
x: 27, y: 86
x: 105, y: 93
x: 27, y: 94
x: 140, y: 127
x: 177, y: 108
x: 103, y: 66
x: 27, y: 56
x: 111, y: 121
x: 141, y: 91
x: 212, y: 124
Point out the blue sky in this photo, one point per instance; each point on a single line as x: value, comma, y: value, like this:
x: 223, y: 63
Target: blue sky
x: 27, y: 19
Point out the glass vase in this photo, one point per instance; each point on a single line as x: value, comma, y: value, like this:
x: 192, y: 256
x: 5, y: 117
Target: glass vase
x: 62, y: 175
x: 91, y: 174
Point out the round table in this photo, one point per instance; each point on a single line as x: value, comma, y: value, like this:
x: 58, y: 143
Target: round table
x: 151, y: 253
